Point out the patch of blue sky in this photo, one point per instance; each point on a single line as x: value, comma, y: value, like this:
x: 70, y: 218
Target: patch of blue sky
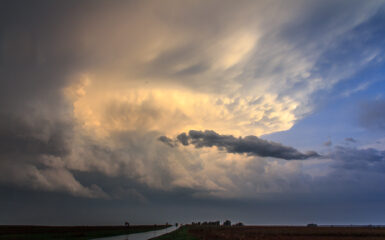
x: 356, y: 60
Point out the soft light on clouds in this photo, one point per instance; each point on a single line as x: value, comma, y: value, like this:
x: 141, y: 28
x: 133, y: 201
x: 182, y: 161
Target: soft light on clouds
x: 171, y: 111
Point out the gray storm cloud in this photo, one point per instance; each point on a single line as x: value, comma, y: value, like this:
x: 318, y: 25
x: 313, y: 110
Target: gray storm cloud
x: 250, y: 145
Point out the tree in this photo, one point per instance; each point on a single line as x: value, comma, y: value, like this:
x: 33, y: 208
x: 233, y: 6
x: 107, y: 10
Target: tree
x: 227, y: 223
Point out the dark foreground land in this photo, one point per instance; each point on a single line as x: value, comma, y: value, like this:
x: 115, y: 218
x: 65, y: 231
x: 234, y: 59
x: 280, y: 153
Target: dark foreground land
x: 70, y: 233
x: 274, y: 233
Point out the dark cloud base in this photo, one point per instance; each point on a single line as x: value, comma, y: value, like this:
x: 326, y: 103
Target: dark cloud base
x: 250, y: 145
x: 20, y: 206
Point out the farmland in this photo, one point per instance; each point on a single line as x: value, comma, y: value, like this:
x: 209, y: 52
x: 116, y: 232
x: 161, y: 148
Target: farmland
x: 275, y: 233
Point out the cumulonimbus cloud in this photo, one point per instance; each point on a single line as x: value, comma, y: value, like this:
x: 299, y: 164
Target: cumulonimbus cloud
x: 250, y: 145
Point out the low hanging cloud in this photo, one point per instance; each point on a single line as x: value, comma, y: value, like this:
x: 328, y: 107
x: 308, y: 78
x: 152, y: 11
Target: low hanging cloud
x: 250, y: 145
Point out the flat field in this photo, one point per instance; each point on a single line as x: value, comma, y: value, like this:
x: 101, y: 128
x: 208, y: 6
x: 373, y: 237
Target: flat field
x: 286, y: 233
x: 69, y: 232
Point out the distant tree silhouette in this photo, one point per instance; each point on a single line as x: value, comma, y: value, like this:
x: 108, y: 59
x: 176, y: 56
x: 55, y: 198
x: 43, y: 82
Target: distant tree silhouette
x: 227, y: 223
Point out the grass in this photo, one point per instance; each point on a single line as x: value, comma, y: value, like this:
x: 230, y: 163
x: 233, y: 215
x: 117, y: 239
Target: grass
x: 181, y: 233
x: 69, y: 233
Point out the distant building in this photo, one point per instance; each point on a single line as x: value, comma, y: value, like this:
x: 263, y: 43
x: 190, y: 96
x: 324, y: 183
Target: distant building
x: 312, y: 225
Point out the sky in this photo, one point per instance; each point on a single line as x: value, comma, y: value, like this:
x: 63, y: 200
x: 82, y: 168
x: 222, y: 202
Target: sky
x: 264, y: 112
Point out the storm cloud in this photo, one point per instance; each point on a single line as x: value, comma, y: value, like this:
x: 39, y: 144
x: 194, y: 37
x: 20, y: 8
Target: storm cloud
x: 250, y: 145
x: 87, y: 87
